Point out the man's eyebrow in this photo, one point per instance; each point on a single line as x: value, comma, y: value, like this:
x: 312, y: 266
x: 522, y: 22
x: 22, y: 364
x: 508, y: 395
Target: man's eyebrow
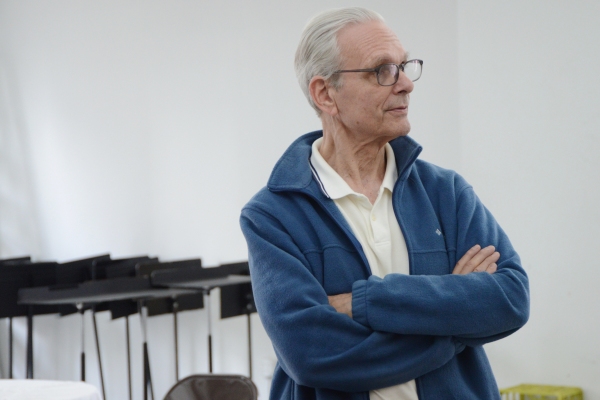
x: 387, y: 60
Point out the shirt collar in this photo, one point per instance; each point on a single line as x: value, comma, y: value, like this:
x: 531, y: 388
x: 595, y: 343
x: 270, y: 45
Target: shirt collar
x: 334, y: 186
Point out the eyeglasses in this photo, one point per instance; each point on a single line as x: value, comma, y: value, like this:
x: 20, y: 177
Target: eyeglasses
x: 387, y: 74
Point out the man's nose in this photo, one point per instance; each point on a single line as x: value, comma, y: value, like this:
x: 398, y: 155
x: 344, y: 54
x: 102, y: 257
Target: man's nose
x: 404, y: 84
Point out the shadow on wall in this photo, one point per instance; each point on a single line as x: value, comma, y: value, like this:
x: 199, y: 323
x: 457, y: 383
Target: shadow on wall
x: 18, y: 220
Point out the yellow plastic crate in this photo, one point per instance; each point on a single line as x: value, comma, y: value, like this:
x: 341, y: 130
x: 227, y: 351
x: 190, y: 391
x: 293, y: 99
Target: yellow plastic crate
x: 541, y: 392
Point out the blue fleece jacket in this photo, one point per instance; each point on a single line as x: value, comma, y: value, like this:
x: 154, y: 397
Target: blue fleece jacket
x: 429, y: 325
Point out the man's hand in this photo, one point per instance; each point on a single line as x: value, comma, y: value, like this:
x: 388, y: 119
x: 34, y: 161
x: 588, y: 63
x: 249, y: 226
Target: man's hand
x: 342, y: 303
x: 477, y: 260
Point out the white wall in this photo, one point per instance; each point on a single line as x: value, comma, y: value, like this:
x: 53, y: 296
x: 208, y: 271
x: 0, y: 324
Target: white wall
x: 142, y: 127
x: 530, y: 139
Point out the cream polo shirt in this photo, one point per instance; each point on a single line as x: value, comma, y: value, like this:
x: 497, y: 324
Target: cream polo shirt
x: 376, y: 228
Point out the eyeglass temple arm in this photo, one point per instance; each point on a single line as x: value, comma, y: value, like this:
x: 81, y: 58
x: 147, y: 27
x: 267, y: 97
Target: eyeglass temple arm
x: 356, y: 70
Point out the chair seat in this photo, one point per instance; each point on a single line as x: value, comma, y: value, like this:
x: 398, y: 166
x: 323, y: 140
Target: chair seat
x: 213, y: 387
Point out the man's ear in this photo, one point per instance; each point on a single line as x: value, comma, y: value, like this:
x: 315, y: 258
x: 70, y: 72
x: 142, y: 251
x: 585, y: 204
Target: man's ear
x: 320, y: 91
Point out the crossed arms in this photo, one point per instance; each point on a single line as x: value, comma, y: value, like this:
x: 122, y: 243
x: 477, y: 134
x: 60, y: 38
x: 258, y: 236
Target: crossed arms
x: 477, y: 259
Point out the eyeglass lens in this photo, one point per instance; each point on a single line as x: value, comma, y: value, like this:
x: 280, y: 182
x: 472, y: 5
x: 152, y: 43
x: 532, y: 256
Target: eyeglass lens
x: 388, y: 73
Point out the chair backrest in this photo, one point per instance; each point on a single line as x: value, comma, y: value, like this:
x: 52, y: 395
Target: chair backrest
x: 213, y: 387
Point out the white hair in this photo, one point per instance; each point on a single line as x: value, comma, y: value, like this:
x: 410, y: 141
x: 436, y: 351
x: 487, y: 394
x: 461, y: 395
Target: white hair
x: 318, y: 53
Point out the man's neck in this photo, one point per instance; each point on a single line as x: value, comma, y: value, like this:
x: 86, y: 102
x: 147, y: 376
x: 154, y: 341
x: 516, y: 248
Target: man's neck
x: 361, y: 163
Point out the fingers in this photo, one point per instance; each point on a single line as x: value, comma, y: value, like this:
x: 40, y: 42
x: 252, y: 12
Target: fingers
x: 477, y: 259
x: 487, y: 262
x: 492, y: 268
x: 466, y: 258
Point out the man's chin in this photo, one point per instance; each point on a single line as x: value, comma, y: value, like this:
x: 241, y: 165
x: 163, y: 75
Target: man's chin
x: 403, y: 130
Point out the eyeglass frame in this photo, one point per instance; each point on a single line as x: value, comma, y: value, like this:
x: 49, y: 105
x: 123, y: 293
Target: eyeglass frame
x: 378, y: 68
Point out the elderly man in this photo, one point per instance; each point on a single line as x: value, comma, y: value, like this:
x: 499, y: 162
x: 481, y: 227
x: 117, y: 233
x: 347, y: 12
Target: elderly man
x: 375, y: 274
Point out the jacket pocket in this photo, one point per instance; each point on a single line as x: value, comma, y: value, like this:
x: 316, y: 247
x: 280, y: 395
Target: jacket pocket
x: 337, y: 268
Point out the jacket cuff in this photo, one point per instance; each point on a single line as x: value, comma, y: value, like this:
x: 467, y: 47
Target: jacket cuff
x: 359, y: 302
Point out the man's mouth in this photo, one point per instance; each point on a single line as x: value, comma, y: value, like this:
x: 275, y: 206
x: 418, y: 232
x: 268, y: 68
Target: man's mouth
x: 399, y: 108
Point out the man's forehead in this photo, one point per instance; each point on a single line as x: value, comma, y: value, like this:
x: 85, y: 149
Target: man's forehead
x: 371, y: 42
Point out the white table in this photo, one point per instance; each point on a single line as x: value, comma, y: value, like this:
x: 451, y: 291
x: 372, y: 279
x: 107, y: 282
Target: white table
x: 35, y: 389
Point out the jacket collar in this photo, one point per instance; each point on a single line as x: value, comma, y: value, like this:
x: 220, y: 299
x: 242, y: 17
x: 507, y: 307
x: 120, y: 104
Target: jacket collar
x: 293, y: 172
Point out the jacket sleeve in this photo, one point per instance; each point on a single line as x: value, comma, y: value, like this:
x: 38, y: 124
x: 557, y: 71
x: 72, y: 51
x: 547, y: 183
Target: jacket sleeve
x: 476, y: 308
x: 315, y: 345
